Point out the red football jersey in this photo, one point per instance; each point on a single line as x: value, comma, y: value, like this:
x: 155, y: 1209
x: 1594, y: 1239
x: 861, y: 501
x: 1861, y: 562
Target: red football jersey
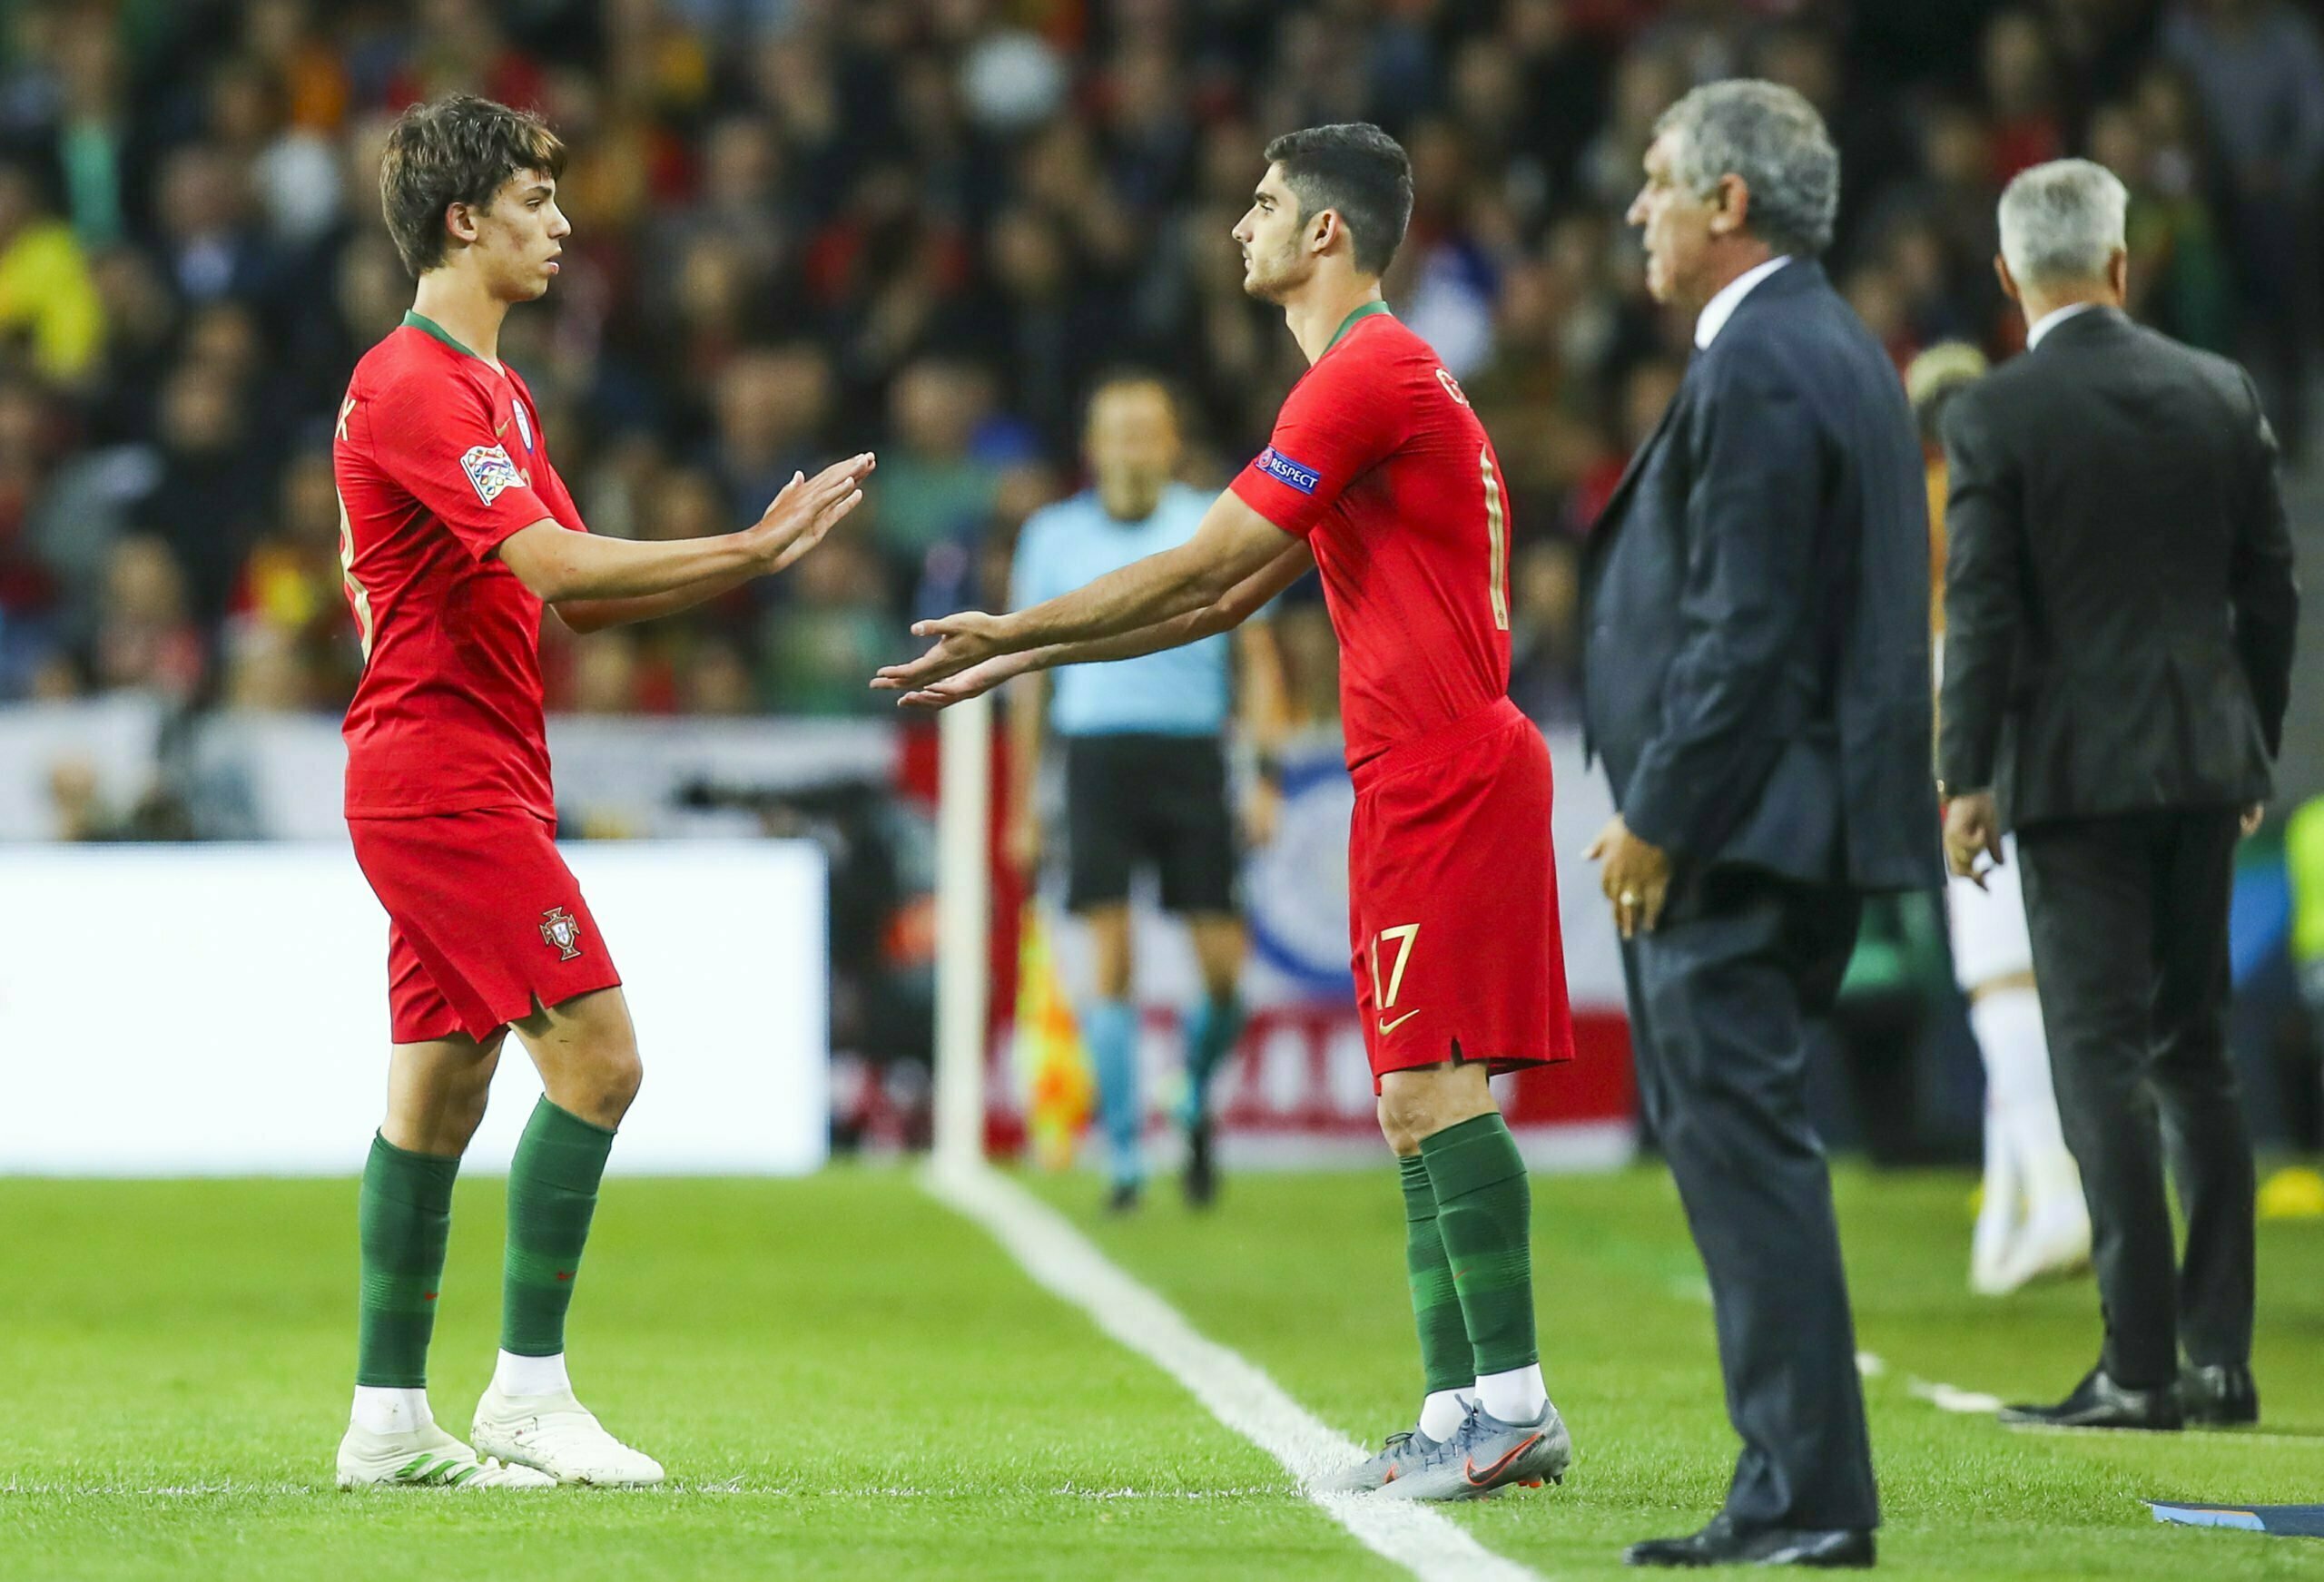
x: 439, y: 458
x: 1378, y: 462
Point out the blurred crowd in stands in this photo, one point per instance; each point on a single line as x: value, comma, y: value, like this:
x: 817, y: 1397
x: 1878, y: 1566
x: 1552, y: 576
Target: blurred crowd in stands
x: 807, y: 226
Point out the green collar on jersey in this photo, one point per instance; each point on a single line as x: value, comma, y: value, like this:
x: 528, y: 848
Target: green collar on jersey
x: 416, y: 320
x: 1346, y: 324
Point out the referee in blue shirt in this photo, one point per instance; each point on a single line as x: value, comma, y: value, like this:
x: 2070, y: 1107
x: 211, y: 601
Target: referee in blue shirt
x: 1145, y: 768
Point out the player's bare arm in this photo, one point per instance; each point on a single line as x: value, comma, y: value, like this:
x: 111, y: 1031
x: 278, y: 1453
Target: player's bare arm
x: 1233, y: 542
x: 1230, y: 610
x: 596, y: 582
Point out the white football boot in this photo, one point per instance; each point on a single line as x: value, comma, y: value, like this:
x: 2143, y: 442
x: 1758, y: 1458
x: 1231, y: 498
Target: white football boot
x: 557, y: 1435
x: 2052, y: 1242
x: 425, y: 1458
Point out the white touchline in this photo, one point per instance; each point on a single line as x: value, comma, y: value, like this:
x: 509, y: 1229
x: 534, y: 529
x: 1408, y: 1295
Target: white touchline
x: 1234, y: 1390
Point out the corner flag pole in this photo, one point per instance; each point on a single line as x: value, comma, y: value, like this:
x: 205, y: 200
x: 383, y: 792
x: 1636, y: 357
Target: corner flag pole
x: 963, y: 918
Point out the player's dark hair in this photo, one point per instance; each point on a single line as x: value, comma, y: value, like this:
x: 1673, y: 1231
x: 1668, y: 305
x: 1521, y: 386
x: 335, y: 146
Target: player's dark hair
x: 458, y: 149
x: 1127, y: 376
x: 1358, y: 170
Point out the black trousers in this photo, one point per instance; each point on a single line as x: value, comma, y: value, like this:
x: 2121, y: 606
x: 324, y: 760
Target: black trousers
x: 1719, y: 996
x: 2129, y: 919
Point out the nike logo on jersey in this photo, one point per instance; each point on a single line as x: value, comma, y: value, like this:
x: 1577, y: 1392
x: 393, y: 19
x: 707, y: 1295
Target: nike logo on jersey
x: 1387, y: 1027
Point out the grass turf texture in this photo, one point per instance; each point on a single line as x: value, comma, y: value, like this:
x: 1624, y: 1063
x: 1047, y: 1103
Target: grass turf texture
x: 845, y: 1380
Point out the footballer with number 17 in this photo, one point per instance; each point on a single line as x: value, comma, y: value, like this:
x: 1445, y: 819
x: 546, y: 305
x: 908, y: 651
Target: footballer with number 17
x: 1381, y: 475
x: 455, y: 534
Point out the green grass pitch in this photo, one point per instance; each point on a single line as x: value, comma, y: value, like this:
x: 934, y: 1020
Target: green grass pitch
x: 845, y: 1380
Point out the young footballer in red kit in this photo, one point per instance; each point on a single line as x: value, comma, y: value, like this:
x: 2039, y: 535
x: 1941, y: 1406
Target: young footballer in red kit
x: 456, y: 533
x: 1379, y: 475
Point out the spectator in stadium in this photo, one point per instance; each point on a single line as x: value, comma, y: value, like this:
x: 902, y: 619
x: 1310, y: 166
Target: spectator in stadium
x: 833, y: 630
x: 207, y: 240
x: 145, y: 639
x: 2180, y: 280
x: 288, y: 645
x: 2258, y: 68
x: 2115, y: 673
x: 207, y: 501
x: 769, y: 409
x: 48, y: 303
x: 1757, y: 686
x: 933, y: 485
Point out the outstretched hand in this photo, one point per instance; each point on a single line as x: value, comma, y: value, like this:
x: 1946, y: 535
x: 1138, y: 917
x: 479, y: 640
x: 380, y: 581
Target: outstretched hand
x: 972, y: 682
x: 962, y: 641
x: 796, y: 520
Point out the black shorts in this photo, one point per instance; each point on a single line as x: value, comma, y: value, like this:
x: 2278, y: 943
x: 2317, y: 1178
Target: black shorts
x: 1159, y: 800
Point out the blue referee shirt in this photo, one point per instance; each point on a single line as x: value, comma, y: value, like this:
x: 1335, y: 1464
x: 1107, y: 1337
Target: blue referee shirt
x: 1179, y: 692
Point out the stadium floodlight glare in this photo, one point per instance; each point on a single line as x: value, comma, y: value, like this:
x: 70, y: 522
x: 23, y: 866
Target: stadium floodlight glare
x: 963, y: 920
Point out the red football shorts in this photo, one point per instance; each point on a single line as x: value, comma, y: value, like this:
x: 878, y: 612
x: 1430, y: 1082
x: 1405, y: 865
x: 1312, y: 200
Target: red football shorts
x: 484, y: 919
x: 1452, y: 900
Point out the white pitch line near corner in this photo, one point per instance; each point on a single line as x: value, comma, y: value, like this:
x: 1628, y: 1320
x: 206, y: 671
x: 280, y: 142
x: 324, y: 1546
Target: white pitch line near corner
x: 1234, y: 1390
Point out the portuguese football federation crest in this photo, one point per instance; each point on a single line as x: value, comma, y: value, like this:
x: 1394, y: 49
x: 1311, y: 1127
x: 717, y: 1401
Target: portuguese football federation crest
x: 561, y: 930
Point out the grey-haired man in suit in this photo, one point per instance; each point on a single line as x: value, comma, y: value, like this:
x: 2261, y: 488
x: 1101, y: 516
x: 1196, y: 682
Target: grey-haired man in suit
x: 1757, y: 686
x: 2119, y: 610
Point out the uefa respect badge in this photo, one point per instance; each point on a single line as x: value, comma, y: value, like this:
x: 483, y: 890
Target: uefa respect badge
x: 1285, y: 470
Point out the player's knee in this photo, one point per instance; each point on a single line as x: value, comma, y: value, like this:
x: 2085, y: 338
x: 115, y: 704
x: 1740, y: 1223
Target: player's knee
x: 1406, y: 1115
x: 1401, y: 1140
x: 620, y: 1076
x: 601, y: 1086
x: 462, y: 1116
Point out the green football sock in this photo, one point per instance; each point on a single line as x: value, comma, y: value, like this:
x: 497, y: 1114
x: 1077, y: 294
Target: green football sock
x: 1484, y: 1212
x: 552, y: 1193
x: 402, y: 1220
x: 1444, y: 1354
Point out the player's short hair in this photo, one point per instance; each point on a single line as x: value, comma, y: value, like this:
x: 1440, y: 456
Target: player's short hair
x: 2061, y: 221
x: 458, y: 149
x: 1358, y: 170
x: 1126, y: 377
x: 1773, y: 138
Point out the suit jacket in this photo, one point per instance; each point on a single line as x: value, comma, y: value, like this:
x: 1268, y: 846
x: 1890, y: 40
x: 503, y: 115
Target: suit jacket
x: 1756, y: 663
x: 2119, y: 601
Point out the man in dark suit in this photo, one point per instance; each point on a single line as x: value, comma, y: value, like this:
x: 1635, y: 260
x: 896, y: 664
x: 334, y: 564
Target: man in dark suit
x: 2119, y: 610
x: 1757, y: 685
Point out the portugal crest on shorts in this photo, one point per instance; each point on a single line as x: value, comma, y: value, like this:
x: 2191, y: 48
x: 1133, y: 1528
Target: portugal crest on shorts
x: 562, y: 930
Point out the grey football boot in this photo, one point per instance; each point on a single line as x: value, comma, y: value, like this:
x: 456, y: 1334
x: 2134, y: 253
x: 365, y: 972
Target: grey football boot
x: 1400, y: 1456
x: 1486, y: 1454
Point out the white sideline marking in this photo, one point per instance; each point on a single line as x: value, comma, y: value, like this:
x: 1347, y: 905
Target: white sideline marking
x: 1234, y: 1390
x: 1978, y: 1403
x: 1952, y: 1397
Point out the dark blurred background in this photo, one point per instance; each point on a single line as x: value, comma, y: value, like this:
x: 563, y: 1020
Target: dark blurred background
x: 925, y: 224
x: 804, y: 227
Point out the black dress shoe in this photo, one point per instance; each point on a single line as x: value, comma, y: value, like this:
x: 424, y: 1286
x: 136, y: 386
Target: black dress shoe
x: 1830, y: 1549
x: 2220, y: 1397
x: 2098, y: 1403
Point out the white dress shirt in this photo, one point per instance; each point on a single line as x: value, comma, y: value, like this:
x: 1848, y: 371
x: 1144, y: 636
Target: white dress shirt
x: 1721, y: 308
x: 2052, y: 319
